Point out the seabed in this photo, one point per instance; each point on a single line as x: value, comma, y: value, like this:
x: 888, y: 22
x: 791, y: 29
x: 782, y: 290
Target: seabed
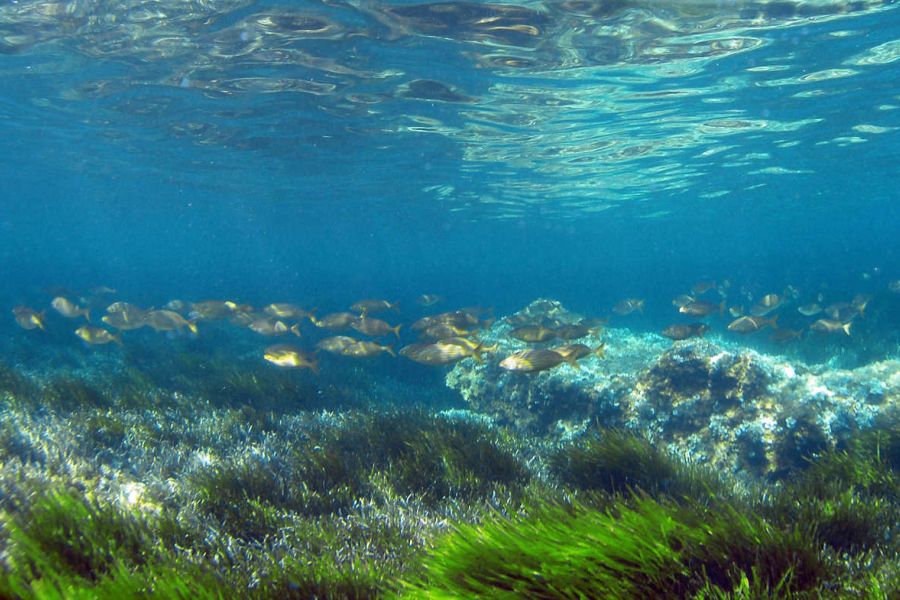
x: 187, y: 475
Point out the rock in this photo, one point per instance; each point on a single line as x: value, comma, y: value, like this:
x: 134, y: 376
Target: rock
x: 710, y: 400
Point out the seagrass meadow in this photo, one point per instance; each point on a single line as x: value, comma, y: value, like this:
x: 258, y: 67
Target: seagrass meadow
x: 116, y: 487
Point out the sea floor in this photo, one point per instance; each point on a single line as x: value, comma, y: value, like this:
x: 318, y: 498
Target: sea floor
x: 164, y: 470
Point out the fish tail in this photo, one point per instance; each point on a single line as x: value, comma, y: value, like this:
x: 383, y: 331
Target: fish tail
x: 314, y: 366
x: 118, y: 340
x: 722, y: 308
x: 87, y: 314
x: 572, y: 362
x: 396, y: 330
x: 600, y: 351
x: 846, y: 327
x: 773, y: 322
x: 389, y: 350
x: 193, y: 327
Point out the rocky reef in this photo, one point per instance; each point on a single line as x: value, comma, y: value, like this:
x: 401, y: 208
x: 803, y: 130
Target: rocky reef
x: 709, y: 400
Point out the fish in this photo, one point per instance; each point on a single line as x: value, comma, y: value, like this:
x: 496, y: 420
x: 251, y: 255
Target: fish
x: 860, y: 302
x: 766, y: 304
x: 894, y: 286
x: 533, y: 333
x: 476, y: 347
x: 27, y: 318
x: 533, y: 361
x: 336, y: 344
x: 211, y: 310
x: 628, y: 306
x: 682, y: 300
x: 287, y: 311
x: 750, y: 323
x: 179, y: 306
x: 242, y: 318
x: 831, y: 326
x: 363, y: 348
x: 70, y: 310
x: 125, y: 318
x: 439, y: 353
x: 168, y: 320
x: 338, y: 321
x: 97, y: 335
x: 785, y: 335
x: 268, y: 326
x: 701, y: 287
x: 701, y: 308
x: 683, y: 331
x: 574, y: 331
x: 443, y: 330
x: 456, y: 318
x: 284, y: 355
x: 372, y: 306
x: 374, y: 327
x: 428, y: 299
x: 124, y: 307
x: 579, y: 351
x: 841, y: 311
x: 809, y: 310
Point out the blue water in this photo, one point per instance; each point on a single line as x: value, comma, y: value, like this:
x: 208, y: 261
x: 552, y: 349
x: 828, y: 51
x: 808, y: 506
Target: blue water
x: 223, y: 150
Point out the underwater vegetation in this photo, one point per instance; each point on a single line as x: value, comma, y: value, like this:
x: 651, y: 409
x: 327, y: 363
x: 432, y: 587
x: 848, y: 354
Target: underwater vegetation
x: 408, y: 503
x: 636, y: 549
x: 216, y: 478
x: 618, y: 462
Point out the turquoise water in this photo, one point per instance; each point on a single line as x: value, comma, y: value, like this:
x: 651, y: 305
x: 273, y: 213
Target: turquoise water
x: 323, y: 152
x: 233, y: 149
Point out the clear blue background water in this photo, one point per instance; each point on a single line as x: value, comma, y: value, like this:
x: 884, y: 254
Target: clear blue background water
x: 133, y: 170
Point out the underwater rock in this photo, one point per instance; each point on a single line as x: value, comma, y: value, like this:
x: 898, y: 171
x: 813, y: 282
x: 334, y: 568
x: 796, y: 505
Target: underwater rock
x: 712, y: 401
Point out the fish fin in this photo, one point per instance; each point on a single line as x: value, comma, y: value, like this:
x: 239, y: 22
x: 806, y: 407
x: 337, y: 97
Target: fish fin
x: 477, y: 357
x: 773, y: 322
x: 600, y: 351
x: 846, y: 327
x: 572, y: 362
